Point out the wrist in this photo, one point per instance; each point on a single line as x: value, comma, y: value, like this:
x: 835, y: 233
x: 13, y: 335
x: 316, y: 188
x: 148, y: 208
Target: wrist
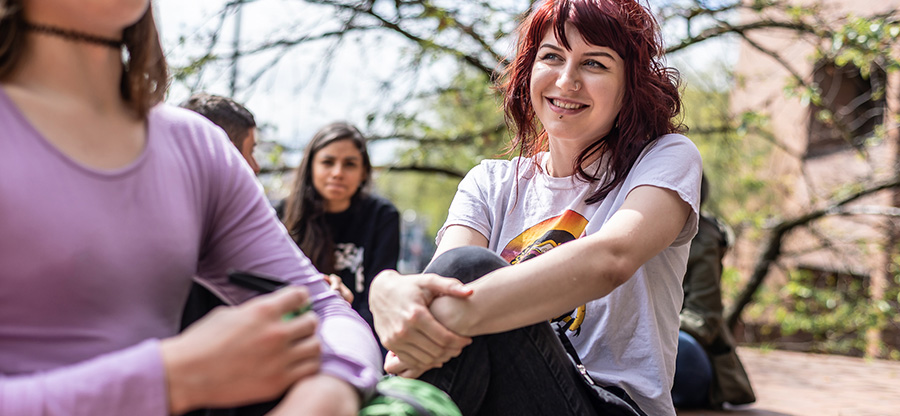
x: 179, y: 377
x: 320, y: 394
x: 453, y: 314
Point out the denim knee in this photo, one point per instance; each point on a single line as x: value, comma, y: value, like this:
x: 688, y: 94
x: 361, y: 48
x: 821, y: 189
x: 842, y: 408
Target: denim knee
x: 693, y: 373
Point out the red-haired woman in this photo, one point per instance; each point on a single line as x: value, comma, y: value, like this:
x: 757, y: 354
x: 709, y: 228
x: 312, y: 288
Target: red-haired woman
x: 601, y: 169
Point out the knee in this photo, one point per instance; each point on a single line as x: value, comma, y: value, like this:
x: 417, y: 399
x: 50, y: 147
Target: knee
x: 691, y: 359
x: 693, y: 374
x: 466, y: 263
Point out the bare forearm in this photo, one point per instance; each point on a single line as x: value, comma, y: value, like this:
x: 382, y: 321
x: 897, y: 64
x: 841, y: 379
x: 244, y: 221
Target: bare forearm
x: 536, y: 290
x: 572, y: 274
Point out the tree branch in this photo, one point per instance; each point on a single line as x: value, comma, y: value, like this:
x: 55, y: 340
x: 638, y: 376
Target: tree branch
x: 453, y: 173
x: 772, y: 248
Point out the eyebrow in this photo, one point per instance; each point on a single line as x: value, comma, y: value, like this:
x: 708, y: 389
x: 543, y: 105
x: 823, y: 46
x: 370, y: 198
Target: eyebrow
x: 347, y: 158
x: 593, y: 53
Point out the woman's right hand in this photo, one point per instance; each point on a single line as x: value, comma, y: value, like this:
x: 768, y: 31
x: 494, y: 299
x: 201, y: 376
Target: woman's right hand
x: 399, y: 305
x: 242, y: 354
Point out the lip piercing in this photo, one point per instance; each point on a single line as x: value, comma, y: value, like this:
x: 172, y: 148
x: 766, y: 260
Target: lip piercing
x: 560, y: 116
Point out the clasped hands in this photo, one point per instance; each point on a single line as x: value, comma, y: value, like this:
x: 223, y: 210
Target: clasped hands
x: 404, y: 319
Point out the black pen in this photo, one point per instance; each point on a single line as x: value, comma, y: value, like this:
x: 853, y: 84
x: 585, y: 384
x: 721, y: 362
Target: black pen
x: 264, y: 284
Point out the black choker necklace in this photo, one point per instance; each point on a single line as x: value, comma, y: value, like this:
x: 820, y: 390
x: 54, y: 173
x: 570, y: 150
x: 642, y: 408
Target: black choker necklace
x: 73, y: 35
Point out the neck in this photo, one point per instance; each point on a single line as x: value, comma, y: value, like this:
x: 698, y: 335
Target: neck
x: 561, y: 160
x: 83, y: 72
x: 332, y: 207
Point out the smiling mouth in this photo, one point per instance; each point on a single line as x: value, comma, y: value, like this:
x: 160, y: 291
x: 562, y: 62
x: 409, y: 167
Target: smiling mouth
x: 567, y: 105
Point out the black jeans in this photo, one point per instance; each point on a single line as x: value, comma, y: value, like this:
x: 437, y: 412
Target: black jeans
x: 524, y: 371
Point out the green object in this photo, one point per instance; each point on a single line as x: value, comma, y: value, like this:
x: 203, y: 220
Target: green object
x: 291, y: 315
x: 398, y: 396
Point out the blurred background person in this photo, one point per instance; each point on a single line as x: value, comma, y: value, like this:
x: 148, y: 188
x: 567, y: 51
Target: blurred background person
x: 708, y: 371
x: 237, y: 121
x: 343, y: 228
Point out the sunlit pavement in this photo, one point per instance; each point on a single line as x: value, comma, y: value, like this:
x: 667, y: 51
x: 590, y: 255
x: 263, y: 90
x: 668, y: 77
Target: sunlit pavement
x: 798, y: 384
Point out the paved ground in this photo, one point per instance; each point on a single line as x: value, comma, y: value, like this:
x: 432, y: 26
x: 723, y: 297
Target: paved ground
x: 797, y: 384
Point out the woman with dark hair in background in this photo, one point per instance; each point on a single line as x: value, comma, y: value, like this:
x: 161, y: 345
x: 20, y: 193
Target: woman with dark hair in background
x: 590, y: 227
x: 348, y: 233
x: 109, y: 203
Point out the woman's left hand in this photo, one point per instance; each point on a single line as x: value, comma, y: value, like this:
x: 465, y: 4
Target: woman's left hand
x: 319, y: 394
x: 338, y: 285
x: 406, y: 326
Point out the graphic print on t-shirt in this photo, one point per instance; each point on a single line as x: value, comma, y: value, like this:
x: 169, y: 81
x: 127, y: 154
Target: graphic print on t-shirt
x: 542, y: 237
x: 347, y: 256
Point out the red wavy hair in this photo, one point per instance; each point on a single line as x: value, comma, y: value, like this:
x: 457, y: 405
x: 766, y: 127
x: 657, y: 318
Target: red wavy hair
x: 652, y: 100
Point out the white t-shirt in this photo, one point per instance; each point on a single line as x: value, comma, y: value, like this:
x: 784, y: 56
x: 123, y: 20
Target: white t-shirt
x: 629, y: 337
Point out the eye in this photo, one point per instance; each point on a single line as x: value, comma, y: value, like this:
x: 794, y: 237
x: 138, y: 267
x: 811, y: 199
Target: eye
x: 595, y: 64
x: 550, y: 56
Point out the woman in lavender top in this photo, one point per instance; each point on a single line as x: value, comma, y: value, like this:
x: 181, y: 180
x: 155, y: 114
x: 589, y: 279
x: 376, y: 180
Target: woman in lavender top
x: 110, y: 202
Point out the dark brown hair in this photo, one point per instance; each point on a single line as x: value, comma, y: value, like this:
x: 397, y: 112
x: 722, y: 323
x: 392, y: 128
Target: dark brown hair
x: 144, y: 75
x: 232, y: 117
x: 651, y: 101
x: 304, y: 210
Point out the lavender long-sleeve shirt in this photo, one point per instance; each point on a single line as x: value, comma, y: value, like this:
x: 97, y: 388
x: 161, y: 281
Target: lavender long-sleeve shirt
x: 95, y: 266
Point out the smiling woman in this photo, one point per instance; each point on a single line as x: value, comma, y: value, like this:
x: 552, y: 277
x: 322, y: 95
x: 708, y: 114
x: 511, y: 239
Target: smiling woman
x: 589, y: 228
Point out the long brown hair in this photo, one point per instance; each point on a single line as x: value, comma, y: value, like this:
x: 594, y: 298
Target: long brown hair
x: 144, y: 76
x: 304, y: 210
x: 651, y: 101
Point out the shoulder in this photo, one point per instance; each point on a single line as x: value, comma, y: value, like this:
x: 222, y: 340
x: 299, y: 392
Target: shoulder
x: 674, y: 144
x: 500, y: 170
x: 671, y: 158
x: 167, y: 115
x: 377, y: 206
x: 505, y: 166
x: 714, y: 230
x: 184, y: 125
x: 378, y: 202
x: 198, y: 142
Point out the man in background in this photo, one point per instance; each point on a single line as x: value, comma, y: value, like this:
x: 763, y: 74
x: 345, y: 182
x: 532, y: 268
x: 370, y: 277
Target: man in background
x: 240, y: 126
x: 235, y: 119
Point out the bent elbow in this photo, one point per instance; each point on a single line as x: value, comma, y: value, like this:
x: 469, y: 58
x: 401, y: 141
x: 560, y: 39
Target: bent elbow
x: 619, y: 270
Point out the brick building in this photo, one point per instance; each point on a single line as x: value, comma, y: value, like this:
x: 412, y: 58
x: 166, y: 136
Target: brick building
x: 819, y: 159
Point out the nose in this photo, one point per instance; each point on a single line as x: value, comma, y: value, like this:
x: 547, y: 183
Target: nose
x: 569, y: 79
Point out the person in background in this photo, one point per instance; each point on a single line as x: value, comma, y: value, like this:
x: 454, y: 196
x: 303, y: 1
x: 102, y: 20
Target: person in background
x: 240, y: 127
x: 708, y: 372
x: 238, y: 122
x: 348, y: 233
x: 589, y: 227
x: 125, y: 199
